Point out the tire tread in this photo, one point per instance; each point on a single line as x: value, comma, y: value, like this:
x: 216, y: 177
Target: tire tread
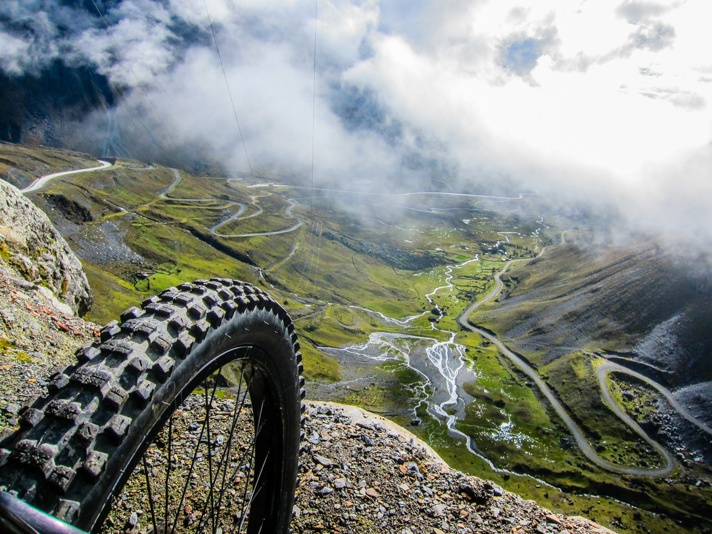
x: 68, y: 436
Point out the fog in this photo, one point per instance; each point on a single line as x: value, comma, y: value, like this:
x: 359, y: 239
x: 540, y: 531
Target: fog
x: 606, y: 101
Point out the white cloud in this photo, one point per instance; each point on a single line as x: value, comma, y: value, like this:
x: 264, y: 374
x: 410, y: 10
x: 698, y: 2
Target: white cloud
x: 593, y: 96
x: 635, y: 11
x: 344, y: 27
x: 15, y: 52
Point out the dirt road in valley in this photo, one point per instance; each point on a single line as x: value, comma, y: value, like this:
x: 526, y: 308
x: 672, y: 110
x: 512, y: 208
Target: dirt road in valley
x: 603, y: 370
x: 42, y: 181
x: 236, y: 216
x: 581, y: 441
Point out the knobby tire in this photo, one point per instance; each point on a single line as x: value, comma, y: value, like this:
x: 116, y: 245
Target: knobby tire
x: 202, y: 384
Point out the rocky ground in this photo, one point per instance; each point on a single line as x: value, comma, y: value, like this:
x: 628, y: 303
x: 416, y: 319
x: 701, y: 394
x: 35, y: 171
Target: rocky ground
x: 36, y: 339
x: 362, y: 473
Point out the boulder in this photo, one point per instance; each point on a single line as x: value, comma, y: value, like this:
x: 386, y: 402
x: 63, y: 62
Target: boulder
x: 32, y: 248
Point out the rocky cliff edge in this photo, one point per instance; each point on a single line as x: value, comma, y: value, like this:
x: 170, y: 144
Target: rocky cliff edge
x: 33, y: 250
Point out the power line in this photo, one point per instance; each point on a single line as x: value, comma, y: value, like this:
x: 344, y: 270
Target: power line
x: 133, y: 72
x: 316, y: 19
x: 315, y: 263
x: 312, y: 272
x: 227, y: 84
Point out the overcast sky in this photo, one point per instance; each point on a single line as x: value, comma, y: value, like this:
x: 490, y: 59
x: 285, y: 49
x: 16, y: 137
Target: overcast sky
x: 592, y: 97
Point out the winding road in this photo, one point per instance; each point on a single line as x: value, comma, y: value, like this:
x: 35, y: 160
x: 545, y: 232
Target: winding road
x: 578, y: 435
x: 236, y: 216
x: 42, y: 181
x: 608, y: 367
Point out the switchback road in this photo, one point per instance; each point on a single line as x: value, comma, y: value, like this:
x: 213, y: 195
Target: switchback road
x: 40, y: 182
x: 578, y: 435
x: 603, y: 370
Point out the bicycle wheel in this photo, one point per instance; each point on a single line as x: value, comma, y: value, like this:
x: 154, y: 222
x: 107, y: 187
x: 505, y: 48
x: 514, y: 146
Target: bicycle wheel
x: 186, y: 417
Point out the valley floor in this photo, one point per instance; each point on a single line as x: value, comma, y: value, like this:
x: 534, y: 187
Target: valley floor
x: 382, y: 304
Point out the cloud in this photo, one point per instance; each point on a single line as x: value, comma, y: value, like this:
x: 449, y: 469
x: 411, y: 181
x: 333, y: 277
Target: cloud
x: 635, y: 11
x: 646, y: 71
x: 675, y: 204
x: 593, y: 99
x: 519, y: 53
x: 38, y: 33
x: 679, y: 98
x: 16, y: 51
x: 688, y: 100
x: 654, y: 37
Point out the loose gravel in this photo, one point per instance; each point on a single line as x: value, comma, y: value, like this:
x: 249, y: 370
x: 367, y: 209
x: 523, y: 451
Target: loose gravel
x: 362, y: 473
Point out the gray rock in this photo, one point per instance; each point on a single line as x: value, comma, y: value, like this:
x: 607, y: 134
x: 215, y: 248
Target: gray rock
x: 439, y: 509
x: 323, y: 460
x: 38, y: 253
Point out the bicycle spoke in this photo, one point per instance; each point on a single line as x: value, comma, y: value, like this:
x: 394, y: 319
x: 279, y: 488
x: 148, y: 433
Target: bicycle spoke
x: 150, y: 496
x: 208, y: 407
x: 252, y: 457
x: 168, y: 475
x: 224, y: 459
x: 258, y: 476
x: 188, y: 478
x: 208, y: 489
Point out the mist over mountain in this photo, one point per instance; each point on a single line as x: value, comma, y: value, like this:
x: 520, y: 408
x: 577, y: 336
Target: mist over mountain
x: 604, y: 103
x: 634, y: 301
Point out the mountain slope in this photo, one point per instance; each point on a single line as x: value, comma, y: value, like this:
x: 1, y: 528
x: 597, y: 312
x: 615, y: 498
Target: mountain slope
x: 634, y: 300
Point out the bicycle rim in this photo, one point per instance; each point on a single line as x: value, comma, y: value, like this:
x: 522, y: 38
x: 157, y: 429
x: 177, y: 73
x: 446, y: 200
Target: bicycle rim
x: 208, y: 468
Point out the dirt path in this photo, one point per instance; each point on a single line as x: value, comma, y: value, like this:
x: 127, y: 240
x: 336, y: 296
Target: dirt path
x: 578, y: 435
x: 603, y: 370
x: 241, y: 209
x: 42, y: 181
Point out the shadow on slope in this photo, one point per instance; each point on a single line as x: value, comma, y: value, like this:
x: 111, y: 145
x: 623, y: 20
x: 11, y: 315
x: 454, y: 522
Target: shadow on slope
x: 636, y: 301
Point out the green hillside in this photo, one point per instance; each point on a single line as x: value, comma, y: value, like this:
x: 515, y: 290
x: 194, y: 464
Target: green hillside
x: 376, y: 284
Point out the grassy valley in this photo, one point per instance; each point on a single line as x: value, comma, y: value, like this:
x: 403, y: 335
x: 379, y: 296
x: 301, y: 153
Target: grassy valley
x: 376, y: 295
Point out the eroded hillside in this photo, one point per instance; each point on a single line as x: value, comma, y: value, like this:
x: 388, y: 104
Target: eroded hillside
x: 631, y: 300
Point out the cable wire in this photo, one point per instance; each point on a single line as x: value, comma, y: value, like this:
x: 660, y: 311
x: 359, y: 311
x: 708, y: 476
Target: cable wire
x: 227, y: 84
x: 128, y: 64
x: 316, y: 20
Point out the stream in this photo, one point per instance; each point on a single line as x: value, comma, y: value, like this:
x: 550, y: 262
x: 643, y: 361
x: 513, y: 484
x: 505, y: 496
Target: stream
x: 440, y: 365
x: 442, y: 369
